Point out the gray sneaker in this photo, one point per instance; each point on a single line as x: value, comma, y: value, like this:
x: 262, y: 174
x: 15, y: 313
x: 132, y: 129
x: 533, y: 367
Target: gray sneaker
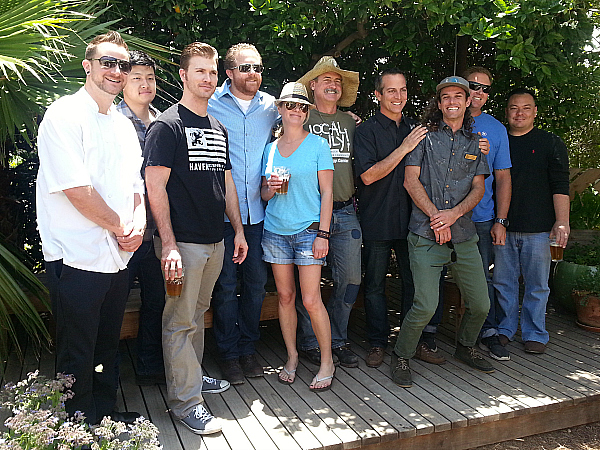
x: 200, y: 421
x: 213, y: 386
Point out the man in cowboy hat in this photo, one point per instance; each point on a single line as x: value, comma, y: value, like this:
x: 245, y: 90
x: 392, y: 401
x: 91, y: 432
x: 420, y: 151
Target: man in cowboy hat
x: 331, y: 87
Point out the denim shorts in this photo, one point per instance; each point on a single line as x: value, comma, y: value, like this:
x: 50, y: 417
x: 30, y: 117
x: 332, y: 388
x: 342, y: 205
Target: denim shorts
x: 290, y: 249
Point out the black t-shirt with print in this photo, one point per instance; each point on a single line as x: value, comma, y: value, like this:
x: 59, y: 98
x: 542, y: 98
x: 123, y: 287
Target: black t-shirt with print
x: 196, y: 150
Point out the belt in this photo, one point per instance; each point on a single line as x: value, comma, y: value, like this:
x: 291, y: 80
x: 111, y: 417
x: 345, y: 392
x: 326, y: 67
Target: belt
x: 340, y: 205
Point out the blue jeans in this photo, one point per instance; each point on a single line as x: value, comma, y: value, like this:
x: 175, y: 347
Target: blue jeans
x: 527, y: 254
x: 236, y: 319
x: 344, y: 258
x: 147, y: 268
x: 377, y: 258
x: 486, y: 250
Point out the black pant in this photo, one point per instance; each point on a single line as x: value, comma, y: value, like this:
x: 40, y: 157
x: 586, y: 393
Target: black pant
x: 88, y: 308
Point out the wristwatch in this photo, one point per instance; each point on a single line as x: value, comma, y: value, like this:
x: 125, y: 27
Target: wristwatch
x: 503, y: 222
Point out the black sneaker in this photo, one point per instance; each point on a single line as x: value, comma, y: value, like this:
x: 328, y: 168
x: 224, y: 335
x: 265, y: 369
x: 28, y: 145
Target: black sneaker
x: 250, y: 366
x: 429, y: 339
x: 200, y: 421
x: 314, y: 356
x: 232, y: 371
x: 346, y: 357
x: 496, y: 350
x: 401, y: 372
x: 214, y: 386
x: 472, y: 358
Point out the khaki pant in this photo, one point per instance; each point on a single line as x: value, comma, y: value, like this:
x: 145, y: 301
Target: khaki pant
x: 183, y: 324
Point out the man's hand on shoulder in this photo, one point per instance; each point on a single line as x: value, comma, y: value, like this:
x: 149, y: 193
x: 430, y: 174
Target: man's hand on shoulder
x: 240, y: 248
x: 412, y: 140
x: 484, y: 145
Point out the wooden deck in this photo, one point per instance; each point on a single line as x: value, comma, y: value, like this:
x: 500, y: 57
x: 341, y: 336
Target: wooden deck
x: 449, y: 406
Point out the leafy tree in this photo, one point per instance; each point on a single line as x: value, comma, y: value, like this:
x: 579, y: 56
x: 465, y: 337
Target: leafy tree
x: 539, y: 44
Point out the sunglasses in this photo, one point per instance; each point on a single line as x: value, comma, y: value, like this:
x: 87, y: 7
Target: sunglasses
x: 290, y: 106
x: 110, y: 62
x: 476, y: 86
x: 246, y: 67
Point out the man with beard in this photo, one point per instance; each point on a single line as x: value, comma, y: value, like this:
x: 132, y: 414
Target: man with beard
x: 91, y: 217
x: 444, y: 177
x: 331, y: 87
x: 249, y: 115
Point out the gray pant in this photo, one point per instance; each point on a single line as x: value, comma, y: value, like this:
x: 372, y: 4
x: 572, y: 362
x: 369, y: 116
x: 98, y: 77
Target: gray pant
x: 183, y: 324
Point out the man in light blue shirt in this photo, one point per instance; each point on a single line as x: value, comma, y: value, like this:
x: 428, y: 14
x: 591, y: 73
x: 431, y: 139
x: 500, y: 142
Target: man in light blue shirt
x: 490, y: 219
x: 249, y: 115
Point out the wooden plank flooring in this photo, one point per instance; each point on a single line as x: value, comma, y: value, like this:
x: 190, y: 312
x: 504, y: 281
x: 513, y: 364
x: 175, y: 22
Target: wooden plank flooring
x: 449, y: 405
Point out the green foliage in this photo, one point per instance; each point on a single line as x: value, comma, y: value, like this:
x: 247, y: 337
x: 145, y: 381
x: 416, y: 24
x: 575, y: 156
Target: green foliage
x: 584, y: 255
x: 585, y: 210
x: 540, y: 44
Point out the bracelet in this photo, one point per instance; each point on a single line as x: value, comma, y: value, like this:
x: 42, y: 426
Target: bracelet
x: 323, y: 234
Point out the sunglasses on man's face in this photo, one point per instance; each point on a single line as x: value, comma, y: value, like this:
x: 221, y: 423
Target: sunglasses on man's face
x: 473, y: 85
x: 293, y: 105
x: 245, y: 68
x: 110, y: 62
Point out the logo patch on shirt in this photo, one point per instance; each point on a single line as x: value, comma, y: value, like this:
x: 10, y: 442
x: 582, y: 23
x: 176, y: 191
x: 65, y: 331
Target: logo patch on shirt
x: 470, y: 156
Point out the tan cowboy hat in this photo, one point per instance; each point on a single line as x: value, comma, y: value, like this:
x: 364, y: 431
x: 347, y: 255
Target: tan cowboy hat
x: 350, y: 80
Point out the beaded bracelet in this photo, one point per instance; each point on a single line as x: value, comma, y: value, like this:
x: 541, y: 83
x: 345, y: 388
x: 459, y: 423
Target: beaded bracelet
x: 323, y: 234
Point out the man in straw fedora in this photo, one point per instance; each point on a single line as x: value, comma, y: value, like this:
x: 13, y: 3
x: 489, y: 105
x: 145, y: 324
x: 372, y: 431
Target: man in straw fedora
x: 328, y: 87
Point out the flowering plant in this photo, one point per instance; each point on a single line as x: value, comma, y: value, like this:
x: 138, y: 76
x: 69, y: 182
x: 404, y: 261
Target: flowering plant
x: 40, y: 421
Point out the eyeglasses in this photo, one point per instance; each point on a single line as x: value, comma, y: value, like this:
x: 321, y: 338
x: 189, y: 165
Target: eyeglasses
x: 245, y: 68
x: 476, y: 86
x: 290, y: 106
x: 110, y: 62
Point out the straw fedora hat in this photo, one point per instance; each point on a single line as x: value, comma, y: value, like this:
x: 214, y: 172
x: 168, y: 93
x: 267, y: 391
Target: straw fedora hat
x: 350, y: 80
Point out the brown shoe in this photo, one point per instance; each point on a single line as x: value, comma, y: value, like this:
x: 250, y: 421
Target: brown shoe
x: 503, y: 340
x: 375, y: 357
x: 535, y: 347
x: 250, y: 366
x: 424, y: 354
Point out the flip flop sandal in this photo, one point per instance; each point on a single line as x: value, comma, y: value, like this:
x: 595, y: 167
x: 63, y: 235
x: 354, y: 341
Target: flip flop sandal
x: 324, y: 388
x: 289, y: 373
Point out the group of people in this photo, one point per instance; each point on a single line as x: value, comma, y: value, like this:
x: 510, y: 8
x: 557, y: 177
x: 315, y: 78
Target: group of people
x: 224, y: 195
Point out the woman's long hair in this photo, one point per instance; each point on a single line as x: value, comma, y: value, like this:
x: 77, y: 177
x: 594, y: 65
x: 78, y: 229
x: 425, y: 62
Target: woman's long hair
x: 432, y: 115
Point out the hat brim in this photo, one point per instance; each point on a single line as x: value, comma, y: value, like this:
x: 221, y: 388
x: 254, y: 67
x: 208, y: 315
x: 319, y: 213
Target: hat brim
x: 441, y: 86
x: 350, y: 82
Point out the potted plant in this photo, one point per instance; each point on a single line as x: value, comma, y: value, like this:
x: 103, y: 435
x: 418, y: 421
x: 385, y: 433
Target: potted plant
x: 577, y: 283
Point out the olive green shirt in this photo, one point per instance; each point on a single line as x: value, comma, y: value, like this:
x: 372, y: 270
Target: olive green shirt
x: 338, y: 130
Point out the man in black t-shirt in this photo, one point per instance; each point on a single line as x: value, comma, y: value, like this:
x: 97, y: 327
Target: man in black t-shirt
x: 188, y: 177
x: 539, y: 209
x: 380, y: 145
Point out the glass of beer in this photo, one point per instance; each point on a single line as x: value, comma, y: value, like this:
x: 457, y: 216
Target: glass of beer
x: 175, y: 286
x: 556, y: 251
x: 283, y: 173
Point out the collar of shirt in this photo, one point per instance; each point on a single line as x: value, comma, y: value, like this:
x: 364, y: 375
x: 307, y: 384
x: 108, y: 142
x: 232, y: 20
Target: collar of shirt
x: 225, y: 89
x: 385, y: 121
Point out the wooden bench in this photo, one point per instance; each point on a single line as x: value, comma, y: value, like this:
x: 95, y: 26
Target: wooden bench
x: 454, y: 308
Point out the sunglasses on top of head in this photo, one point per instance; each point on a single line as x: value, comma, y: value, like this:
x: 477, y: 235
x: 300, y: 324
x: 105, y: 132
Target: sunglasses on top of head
x: 290, y: 106
x: 245, y: 68
x: 473, y: 85
x: 110, y: 62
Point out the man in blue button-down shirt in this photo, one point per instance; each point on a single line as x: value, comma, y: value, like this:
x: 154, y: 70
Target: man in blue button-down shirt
x: 249, y: 115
